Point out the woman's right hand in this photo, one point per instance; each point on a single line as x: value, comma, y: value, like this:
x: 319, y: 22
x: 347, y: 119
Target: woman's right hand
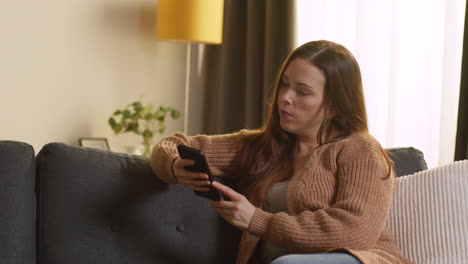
x: 194, y: 180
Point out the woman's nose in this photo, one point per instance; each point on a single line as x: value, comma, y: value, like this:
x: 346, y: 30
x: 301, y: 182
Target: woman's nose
x: 286, y: 96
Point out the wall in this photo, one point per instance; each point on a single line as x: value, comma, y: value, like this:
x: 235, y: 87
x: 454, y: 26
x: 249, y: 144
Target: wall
x: 65, y: 66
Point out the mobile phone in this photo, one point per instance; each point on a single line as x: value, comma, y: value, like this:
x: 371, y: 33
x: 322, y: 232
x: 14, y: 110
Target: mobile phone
x: 201, y: 165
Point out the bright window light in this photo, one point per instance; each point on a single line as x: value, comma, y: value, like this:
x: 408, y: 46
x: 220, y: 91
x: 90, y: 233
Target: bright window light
x: 410, y: 56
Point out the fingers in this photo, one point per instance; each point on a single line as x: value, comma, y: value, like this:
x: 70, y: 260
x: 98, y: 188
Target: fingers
x: 197, y: 185
x: 233, y: 195
x: 237, y: 212
x: 191, y: 176
x: 180, y: 163
x: 181, y: 171
x: 194, y: 180
x: 223, y: 205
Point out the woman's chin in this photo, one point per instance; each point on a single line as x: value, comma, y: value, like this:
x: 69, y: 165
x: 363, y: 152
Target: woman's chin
x: 286, y: 127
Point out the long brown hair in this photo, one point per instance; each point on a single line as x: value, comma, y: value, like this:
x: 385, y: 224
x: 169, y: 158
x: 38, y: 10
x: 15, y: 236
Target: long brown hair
x: 268, y: 152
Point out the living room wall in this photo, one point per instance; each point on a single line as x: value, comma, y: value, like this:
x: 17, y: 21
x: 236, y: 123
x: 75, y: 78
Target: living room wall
x: 67, y: 65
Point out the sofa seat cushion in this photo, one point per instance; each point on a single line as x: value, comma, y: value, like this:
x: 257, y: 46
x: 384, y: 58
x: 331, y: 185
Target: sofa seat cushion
x: 103, y: 207
x: 429, y: 217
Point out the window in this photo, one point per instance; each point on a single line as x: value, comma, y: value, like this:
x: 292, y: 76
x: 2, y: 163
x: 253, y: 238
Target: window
x: 410, y: 57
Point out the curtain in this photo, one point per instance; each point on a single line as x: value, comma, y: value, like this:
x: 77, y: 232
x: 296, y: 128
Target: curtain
x: 461, y: 149
x: 410, y: 57
x: 238, y: 75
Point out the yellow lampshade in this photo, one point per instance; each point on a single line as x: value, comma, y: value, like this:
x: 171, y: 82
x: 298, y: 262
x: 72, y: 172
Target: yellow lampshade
x: 194, y: 20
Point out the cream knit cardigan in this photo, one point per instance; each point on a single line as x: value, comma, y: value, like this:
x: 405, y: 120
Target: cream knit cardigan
x: 339, y: 201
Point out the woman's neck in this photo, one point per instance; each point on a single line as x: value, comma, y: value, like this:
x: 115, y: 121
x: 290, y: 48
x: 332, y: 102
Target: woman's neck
x: 306, y: 145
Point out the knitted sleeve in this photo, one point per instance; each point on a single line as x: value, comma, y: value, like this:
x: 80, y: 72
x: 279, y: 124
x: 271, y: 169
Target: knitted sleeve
x: 354, y: 221
x: 221, y: 152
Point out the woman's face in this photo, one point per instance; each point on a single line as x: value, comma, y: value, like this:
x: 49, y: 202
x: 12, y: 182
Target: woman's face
x: 300, y: 98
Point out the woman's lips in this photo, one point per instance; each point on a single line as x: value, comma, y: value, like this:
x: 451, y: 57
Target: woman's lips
x: 285, y: 113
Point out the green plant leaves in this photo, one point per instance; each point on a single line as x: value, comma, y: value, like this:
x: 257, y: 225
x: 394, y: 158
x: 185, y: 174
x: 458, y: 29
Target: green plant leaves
x: 118, y: 128
x: 142, y: 119
x: 162, y: 128
x: 126, y: 113
x: 137, y: 105
x: 149, y: 108
x: 112, y: 122
x: 175, y: 114
x: 148, y: 117
x: 147, y: 133
x: 159, y: 115
x: 133, y: 127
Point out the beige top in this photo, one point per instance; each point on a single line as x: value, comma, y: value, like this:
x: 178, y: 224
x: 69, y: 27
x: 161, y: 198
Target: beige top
x: 275, y: 203
x: 340, y: 201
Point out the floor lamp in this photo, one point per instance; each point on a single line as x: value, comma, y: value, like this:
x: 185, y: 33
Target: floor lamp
x: 193, y: 21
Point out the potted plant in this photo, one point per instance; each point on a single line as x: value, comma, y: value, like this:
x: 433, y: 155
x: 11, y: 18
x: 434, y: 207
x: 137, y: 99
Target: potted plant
x: 143, y: 120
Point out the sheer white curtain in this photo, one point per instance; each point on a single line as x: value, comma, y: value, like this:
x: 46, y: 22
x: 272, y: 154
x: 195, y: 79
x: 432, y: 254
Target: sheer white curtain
x: 410, y: 56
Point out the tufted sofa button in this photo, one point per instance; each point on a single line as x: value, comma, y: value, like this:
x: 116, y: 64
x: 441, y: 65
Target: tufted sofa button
x: 115, y: 227
x: 180, y: 228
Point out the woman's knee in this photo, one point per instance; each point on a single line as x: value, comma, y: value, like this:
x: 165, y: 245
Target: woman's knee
x: 287, y: 259
x: 324, y: 258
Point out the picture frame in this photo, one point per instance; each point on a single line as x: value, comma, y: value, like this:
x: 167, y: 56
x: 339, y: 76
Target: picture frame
x: 97, y: 143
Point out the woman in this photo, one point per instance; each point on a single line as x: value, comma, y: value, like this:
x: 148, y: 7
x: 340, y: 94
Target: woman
x: 315, y: 186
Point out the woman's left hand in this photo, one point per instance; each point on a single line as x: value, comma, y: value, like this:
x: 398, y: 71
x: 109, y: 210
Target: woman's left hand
x: 238, y: 211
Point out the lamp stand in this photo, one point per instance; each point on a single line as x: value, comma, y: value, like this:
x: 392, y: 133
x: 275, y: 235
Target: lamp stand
x: 187, y: 86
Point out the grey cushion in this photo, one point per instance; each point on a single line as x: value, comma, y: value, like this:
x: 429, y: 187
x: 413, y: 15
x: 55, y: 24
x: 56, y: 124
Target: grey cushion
x: 407, y: 160
x: 103, y: 207
x: 17, y: 203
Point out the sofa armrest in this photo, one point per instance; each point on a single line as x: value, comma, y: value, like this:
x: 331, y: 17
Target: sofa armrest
x: 429, y: 217
x: 17, y: 203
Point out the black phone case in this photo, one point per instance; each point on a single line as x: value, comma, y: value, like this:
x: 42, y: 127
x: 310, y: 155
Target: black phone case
x: 201, y: 165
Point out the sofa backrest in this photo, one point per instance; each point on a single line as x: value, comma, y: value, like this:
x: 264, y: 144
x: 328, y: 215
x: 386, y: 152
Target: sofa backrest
x: 17, y: 203
x: 407, y: 160
x: 103, y: 207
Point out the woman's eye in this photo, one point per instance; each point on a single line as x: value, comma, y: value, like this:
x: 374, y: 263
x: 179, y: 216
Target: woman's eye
x: 302, y: 93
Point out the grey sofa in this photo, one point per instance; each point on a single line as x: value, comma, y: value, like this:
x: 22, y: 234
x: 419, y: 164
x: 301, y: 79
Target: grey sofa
x: 78, y: 205
x: 17, y: 203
